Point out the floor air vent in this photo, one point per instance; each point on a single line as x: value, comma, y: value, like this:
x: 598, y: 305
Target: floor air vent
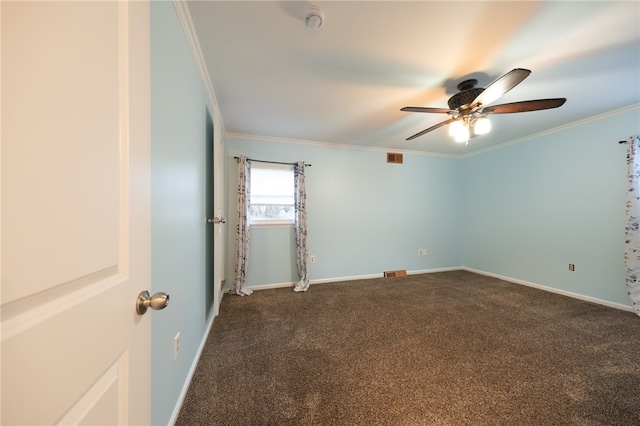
x: 394, y: 274
x: 393, y: 157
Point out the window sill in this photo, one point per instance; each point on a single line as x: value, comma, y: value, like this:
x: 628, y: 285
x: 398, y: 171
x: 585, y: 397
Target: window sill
x: 272, y: 224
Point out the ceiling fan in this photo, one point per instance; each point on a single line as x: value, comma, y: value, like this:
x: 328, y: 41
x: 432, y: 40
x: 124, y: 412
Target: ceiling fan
x: 468, y: 108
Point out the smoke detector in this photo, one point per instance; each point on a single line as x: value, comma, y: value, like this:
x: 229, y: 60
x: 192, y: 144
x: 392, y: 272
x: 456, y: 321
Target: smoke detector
x: 315, y: 18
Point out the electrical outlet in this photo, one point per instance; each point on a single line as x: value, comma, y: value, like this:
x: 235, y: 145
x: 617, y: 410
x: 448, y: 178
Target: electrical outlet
x: 572, y: 267
x: 422, y: 252
x: 312, y: 259
x: 176, y: 346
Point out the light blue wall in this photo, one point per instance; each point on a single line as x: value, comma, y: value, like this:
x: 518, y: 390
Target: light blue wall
x: 178, y: 133
x: 523, y: 211
x: 365, y: 216
x: 533, y: 207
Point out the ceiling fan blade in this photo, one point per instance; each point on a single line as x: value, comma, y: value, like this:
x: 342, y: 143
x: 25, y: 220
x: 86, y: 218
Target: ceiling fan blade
x: 443, y: 123
x: 428, y: 109
x: 501, y: 86
x: 524, y: 106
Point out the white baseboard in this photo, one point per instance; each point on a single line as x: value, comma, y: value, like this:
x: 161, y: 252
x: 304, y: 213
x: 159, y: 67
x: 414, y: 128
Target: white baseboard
x: 320, y: 281
x: 192, y: 370
x: 431, y: 271
x: 270, y: 286
x: 553, y: 290
x: 349, y: 278
x: 457, y: 268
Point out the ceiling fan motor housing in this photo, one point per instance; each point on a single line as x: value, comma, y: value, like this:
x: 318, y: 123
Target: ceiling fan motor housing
x: 468, y: 93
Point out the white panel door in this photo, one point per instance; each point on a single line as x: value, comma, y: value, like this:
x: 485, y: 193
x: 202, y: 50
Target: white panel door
x: 75, y: 212
x: 218, y: 196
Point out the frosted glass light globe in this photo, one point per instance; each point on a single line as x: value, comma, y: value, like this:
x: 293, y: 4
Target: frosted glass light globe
x: 483, y: 126
x: 462, y: 135
x: 456, y: 127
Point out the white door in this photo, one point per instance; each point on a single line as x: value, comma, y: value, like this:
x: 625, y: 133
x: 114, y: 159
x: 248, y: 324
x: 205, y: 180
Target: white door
x: 218, y: 196
x: 75, y: 212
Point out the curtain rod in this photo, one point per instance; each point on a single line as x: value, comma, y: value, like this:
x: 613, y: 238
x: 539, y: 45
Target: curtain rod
x: 272, y: 162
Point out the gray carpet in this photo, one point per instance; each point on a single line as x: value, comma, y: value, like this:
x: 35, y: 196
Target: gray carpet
x: 450, y: 348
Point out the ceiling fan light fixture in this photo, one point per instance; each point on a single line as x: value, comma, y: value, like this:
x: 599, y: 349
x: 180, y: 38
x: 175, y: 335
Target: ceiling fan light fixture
x: 482, y: 126
x: 462, y: 135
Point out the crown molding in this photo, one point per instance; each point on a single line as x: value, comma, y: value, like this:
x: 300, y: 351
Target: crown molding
x: 184, y: 16
x: 432, y: 154
x: 555, y: 130
x: 334, y: 145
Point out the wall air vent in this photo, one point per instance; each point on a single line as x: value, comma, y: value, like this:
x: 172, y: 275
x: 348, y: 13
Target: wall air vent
x: 393, y: 157
x: 395, y: 274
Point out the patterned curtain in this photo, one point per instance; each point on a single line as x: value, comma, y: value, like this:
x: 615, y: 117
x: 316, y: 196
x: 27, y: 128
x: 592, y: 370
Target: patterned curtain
x: 300, y: 204
x: 242, y: 234
x: 632, y: 229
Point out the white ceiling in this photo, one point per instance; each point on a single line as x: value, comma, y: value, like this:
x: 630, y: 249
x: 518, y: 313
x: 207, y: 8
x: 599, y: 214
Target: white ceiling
x: 345, y: 83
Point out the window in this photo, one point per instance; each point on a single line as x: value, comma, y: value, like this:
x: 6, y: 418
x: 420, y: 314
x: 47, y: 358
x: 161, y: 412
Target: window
x: 272, y: 194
